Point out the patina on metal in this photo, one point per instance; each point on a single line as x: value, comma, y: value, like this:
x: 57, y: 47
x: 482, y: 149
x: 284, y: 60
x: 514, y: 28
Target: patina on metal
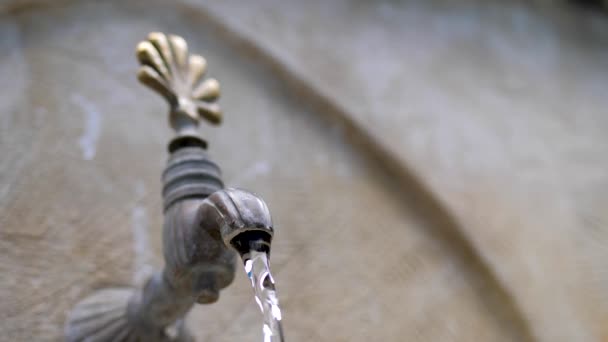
x: 204, y: 223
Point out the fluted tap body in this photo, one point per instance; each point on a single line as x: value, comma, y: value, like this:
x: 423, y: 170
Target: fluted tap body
x: 204, y: 224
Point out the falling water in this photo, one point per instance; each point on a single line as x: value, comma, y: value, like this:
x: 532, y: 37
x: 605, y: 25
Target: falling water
x: 258, y: 271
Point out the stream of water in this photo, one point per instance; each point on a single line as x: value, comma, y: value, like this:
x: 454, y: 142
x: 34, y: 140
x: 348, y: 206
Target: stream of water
x: 258, y: 271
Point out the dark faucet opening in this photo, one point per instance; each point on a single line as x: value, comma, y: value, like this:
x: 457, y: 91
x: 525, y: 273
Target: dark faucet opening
x: 251, y: 240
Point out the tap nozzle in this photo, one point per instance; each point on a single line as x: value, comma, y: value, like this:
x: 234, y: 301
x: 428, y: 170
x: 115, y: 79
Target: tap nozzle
x: 242, y: 219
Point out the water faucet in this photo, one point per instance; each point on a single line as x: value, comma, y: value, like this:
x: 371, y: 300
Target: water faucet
x: 205, y: 225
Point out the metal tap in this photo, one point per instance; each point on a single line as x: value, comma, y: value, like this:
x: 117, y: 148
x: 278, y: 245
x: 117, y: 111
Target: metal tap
x: 205, y: 225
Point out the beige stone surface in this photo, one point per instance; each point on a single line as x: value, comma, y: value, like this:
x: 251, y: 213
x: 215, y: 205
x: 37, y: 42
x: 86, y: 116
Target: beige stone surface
x: 496, y: 108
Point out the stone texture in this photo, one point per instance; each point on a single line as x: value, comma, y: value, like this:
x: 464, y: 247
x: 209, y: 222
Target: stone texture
x: 497, y: 109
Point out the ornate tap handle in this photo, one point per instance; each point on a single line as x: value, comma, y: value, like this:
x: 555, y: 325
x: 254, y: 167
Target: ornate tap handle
x: 204, y: 223
x: 167, y: 69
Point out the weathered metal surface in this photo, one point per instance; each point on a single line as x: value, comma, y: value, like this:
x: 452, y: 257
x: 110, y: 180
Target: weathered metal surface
x: 203, y: 223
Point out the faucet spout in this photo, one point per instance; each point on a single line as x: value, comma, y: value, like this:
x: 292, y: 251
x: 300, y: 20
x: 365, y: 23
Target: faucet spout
x: 242, y: 218
x: 200, y: 237
x: 204, y: 223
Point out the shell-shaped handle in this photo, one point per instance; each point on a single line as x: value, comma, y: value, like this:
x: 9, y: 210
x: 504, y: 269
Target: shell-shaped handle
x: 167, y: 68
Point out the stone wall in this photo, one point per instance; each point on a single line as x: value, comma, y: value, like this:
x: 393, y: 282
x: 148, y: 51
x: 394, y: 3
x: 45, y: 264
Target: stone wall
x: 435, y: 170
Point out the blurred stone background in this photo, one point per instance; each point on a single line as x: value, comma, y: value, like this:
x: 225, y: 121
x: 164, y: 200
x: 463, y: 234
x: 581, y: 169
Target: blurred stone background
x: 436, y: 170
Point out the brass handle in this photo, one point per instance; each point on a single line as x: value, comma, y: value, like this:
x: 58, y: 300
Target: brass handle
x: 167, y: 69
